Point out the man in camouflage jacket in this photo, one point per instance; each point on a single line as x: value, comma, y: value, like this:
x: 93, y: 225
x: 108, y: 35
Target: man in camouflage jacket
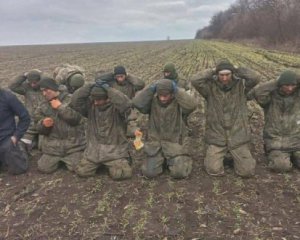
x: 227, y: 129
x: 280, y: 100
x: 105, y: 109
x: 62, y: 128
x: 27, y: 85
x: 167, y: 106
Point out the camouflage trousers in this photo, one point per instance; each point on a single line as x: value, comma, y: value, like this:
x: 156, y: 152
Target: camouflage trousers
x: 179, y: 166
x: 119, y: 169
x: 280, y: 161
x: 50, y: 163
x: 12, y: 157
x: 244, y: 163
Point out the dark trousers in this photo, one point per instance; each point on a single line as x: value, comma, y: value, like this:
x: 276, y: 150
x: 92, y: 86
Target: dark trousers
x: 12, y: 157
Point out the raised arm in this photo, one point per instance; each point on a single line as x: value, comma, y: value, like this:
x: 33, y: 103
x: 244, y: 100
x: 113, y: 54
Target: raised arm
x: 142, y: 101
x: 186, y: 101
x: 201, y: 81
x: 138, y: 83
x: 18, y: 85
x: 251, y: 77
x: 80, y: 99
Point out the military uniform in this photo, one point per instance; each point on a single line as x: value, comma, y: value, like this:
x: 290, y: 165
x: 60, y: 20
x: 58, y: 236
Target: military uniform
x: 64, y: 141
x: 167, y: 131
x: 106, y: 140
x: 69, y: 76
x: 227, y: 127
x: 33, y: 97
x: 180, y: 82
x: 282, y: 122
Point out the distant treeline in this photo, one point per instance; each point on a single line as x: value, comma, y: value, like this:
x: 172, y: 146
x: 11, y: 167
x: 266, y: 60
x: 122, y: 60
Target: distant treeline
x: 273, y: 22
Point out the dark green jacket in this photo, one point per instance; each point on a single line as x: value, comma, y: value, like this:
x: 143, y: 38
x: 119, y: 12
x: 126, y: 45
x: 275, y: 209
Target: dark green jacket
x: 167, y: 128
x: 282, y: 117
x: 106, y: 133
x: 227, y: 113
x: 67, y: 135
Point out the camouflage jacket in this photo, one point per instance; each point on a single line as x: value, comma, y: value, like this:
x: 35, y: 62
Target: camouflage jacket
x: 227, y: 113
x: 32, y: 97
x: 131, y: 86
x: 106, y: 135
x: 167, y: 128
x: 68, y: 133
x: 64, y: 72
x: 282, y: 117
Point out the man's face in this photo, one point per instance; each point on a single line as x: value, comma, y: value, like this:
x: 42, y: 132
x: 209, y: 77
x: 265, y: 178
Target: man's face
x: 225, y: 77
x: 34, y: 84
x: 288, y: 89
x: 120, y: 78
x: 101, y: 102
x: 49, y: 94
x: 167, y: 74
x: 165, y: 98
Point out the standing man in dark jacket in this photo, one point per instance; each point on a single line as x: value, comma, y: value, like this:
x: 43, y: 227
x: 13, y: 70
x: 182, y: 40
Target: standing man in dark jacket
x: 227, y: 129
x: 280, y: 100
x: 167, y: 106
x: 11, y: 133
x: 27, y: 85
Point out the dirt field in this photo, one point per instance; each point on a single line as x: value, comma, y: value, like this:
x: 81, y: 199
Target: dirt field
x: 64, y: 206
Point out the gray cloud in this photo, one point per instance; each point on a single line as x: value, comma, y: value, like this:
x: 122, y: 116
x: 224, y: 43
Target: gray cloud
x: 64, y: 21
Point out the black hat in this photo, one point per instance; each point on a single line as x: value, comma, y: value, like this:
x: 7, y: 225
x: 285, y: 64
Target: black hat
x: 119, y: 70
x: 48, y: 83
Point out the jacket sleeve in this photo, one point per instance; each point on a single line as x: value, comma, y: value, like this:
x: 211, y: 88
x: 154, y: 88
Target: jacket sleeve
x: 119, y: 99
x: 68, y: 114
x: 23, y: 115
x: 19, y: 85
x: 186, y: 102
x: 262, y: 92
x: 138, y: 83
x: 250, y: 76
x: 38, y: 119
x: 80, y: 99
x: 201, y: 82
x: 143, y: 100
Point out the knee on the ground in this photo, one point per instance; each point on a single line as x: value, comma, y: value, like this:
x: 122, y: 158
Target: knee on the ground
x: 181, y: 167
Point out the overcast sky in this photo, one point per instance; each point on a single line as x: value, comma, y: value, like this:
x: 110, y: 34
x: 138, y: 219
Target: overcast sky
x: 70, y: 21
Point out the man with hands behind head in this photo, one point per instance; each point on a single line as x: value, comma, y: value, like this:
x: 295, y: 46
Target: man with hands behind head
x: 225, y: 90
x: 167, y: 106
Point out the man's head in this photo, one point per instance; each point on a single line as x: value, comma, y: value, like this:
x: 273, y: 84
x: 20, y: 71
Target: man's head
x: 165, y: 92
x: 120, y: 74
x: 49, y: 88
x: 76, y: 81
x: 169, y: 71
x: 224, y: 71
x: 99, y: 96
x: 287, y: 82
x: 33, y: 77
